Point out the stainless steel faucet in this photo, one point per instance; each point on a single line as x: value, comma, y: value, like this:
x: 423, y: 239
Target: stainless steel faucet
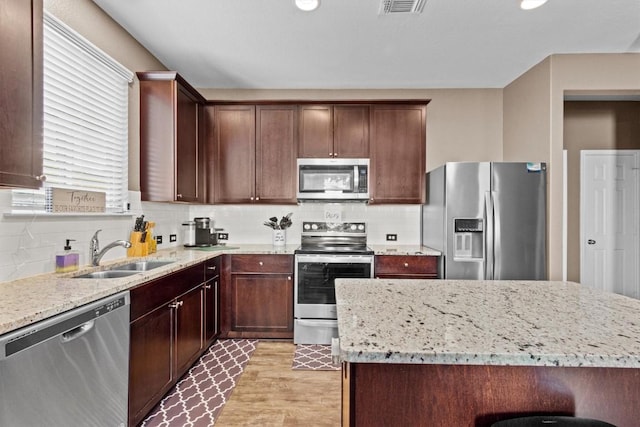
x: 97, y: 254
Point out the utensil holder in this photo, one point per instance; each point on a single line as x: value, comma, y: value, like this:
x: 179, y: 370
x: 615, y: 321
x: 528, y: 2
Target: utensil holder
x: 137, y: 248
x: 279, y: 237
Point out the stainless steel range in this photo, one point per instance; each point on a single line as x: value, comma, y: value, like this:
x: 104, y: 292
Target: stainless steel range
x: 328, y: 251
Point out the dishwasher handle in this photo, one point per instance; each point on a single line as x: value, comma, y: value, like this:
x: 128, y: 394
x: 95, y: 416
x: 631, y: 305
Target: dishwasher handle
x: 77, y: 332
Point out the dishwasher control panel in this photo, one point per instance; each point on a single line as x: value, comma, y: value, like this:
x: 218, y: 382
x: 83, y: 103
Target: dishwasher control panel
x: 110, y: 306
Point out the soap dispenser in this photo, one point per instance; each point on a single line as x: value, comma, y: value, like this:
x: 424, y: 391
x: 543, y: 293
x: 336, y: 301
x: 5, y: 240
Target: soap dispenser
x: 68, y: 260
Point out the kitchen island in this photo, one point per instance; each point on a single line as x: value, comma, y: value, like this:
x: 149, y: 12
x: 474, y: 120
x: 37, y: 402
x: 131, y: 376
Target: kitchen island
x: 470, y: 353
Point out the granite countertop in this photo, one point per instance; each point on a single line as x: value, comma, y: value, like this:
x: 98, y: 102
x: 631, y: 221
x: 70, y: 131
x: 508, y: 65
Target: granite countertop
x: 472, y: 322
x: 404, y: 250
x: 28, y: 300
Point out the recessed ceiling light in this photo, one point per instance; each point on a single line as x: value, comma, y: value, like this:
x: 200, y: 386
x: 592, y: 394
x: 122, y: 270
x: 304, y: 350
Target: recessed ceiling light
x: 531, y: 4
x: 307, y: 5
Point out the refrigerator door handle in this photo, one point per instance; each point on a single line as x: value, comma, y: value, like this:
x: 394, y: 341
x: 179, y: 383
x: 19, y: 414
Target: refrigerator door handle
x: 488, y: 236
x: 497, y: 246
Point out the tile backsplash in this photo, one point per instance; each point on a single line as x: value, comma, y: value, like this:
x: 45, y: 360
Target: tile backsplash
x: 30, y: 242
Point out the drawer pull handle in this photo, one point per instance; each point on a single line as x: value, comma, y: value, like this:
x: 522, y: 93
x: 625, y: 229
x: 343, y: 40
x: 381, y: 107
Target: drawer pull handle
x: 261, y: 263
x: 212, y: 268
x: 176, y: 304
x: 406, y: 264
x: 207, y: 286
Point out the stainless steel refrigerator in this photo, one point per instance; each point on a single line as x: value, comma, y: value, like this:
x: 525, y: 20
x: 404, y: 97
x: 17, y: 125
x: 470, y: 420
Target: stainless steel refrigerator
x: 488, y: 220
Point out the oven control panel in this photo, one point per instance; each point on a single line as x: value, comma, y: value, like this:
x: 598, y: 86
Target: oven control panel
x: 334, y: 227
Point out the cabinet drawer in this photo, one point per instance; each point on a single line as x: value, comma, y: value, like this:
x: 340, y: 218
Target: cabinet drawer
x: 212, y: 268
x: 401, y: 264
x: 150, y: 295
x: 262, y: 264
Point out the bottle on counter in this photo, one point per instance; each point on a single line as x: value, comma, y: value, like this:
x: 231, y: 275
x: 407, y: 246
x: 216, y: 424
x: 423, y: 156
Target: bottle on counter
x: 68, y: 260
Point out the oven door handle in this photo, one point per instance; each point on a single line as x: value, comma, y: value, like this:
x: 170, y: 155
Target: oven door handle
x: 317, y: 322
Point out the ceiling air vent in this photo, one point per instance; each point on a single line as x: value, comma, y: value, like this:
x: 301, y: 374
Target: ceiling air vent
x: 390, y: 7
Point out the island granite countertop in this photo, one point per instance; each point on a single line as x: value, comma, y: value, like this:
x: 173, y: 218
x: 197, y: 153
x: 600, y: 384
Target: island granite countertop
x: 525, y: 323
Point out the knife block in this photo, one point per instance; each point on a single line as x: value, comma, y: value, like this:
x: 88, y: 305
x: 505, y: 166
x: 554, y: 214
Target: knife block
x: 138, y: 248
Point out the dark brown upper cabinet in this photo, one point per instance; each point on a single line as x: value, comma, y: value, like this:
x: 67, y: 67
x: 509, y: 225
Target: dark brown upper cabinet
x: 172, y: 143
x: 255, y: 153
x: 328, y: 131
x: 21, y: 93
x: 397, y: 154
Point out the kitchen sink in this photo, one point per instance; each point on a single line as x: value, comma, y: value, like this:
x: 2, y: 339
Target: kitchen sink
x: 123, y: 270
x: 141, y: 265
x: 107, y: 274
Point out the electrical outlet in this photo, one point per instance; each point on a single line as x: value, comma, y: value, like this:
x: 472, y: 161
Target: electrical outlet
x: 159, y: 240
x: 392, y: 237
x: 223, y: 236
x: 173, y: 237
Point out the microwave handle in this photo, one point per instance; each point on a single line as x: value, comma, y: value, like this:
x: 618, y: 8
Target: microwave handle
x: 356, y: 179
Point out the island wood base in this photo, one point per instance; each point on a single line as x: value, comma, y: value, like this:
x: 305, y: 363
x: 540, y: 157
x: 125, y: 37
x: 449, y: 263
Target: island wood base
x: 380, y: 394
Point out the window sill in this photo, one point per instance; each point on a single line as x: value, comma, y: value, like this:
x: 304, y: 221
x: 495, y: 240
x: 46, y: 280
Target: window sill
x: 27, y: 214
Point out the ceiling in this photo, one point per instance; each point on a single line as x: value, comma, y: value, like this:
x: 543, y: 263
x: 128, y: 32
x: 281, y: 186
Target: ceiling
x: 347, y: 44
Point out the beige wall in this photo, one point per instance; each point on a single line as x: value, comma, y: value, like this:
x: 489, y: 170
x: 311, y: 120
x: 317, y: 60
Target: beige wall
x: 593, y: 125
x: 462, y: 124
x: 557, y: 76
x: 96, y: 26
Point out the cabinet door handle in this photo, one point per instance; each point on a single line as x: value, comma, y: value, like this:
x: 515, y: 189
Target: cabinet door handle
x: 406, y: 264
x: 289, y: 278
x: 207, y: 286
x: 178, y: 196
x: 213, y: 268
x: 251, y: 198
x: 261, y: 263
x: 41, y: 178
x: 257, y: 198
x: 176, y: 304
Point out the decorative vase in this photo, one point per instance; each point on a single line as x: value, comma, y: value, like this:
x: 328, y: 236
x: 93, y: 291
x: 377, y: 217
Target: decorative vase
x: 279, y: 237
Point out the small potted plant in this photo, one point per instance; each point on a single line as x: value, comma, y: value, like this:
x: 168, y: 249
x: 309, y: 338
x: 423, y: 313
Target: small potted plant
x: 279, y: 236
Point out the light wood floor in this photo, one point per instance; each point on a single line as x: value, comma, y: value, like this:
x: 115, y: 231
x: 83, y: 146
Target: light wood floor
x: 270, y: 393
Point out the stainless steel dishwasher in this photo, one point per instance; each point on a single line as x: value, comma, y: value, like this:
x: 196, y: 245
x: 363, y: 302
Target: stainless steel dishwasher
x: 69, y: 370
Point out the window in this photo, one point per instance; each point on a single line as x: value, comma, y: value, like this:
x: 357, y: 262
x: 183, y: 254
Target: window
x: 85, y: 124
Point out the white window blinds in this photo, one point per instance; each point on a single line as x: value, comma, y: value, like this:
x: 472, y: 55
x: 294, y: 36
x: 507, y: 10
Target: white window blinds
x: 85, y: 124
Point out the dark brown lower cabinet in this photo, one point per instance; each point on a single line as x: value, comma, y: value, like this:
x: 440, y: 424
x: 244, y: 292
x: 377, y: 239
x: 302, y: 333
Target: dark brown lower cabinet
x: 387, y: 394
x: 189, y: 326
x: 259, y: 297
x: 168, y: 333
x: 211, y: 288
x: 406, y: 267
x: 150, y: 361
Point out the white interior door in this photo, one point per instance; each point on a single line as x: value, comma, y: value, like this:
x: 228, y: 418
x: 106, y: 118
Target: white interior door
x: 609, y: 220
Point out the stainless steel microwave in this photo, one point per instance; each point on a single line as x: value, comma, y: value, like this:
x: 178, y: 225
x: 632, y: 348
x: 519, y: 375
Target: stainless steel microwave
x: 333, y: 179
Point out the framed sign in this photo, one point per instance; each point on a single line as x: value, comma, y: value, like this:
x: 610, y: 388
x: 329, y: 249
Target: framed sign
x: 65, y: 200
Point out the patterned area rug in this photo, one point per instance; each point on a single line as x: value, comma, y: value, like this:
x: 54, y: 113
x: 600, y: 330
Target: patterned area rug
x: 315, y: 357
x: 198, y: 398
